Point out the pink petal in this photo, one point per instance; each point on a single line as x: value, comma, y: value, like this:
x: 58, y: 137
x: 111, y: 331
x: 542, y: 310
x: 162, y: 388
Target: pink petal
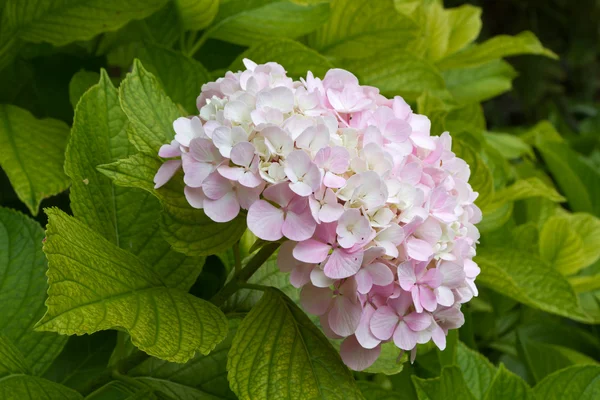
x: 215, y: 186
x: 382, y: 275
x: 166, y: 172
x: 427, y: 298
x: 344, y: 316
x: 315, y: 300
x: 231, y: 173
x: 333, y: 181
x: 169, y: 150
x: 357, y: 357
x: 300, y: 275
x: 242, y: 154
x: 418, y: 322
x: 342, y: 264
x: 285, y: 258
x: 299, y: 227
x: 224, y: 209
x: 414, y: 292
x: 404, y: 337
x: 203, y: 150
x: 265, y: 220
x: 331, y: 212
x: 301, y: 189
x: 384, y: 322
x: 453, y: 274
x: 311, y: 251
x: 439, y: 337
x: 319, y: 279
x: 363, y: 332
x: 195, y: 171
x: 247, y: 196
x: 279, y: 193
x: 418, y: 249
x: 364, y: 281
x: 406, y: 275
x: 324, y: 321
x: 432, y: 278
x: 444, y: 296
x: 194, y: 196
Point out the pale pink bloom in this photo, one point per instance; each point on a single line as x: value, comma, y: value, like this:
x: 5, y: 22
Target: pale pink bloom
x: 324, y: 206
x: 372, y: 158
x: 226, y: 138
x: 238, y: 111
x: 356, y: 356
x: 277, y: 140
x: 245, y: 168
x: 389, y: 239
x: 279, y: 98
x: 373, y: 272
x: 338, y: 262
x: 202, y: 159
x: 397, y: 322
x: 299, y: 271
x: 223, y: 198
x: 304, y: 175
x: 348, y: 100
x: 166, y: 172
x: 420, y: 136
x: 170, y: 150
x: 466, y: 292
x: 444, y: 319
x: 187, y: 129
x: 334, y: 161
x: 353, y: 229
x: 453, y: 276
x: 363, y: 333
x: 420, y: 282
x: 292, y: 219
x: 313, y: 139
x: 366, y: 189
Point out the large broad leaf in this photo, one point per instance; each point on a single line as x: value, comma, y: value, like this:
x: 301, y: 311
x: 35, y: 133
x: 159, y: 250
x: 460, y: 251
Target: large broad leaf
x: 279, y: 353
x: 477, y: 371
x: 427, y: 389
x: 203, y: 373
x: 397, y: 73
x: 577, y: 179
x: 561, y: 246
x: 150, y: 111
x: 128, y: 217
x: 95, y: 285
x: 197, y: 14
x: 526, y: 188
x: 495, y: 48
x: 588, y: 228
x: 32, y: 154
x: 574, y: 383
x: 181, y: 77
x: 80, y: 83
x: 372, y: 391
x: 187, y: 229
x: 507, y: 385
x: 246, y: 22
x: 481, y: 177
x: 25, y: 387
x: 529, y: 280
x: 481, y: 82
x: 453, y: 385
x: 296, y: 58
x: 22, y: 291
x: 359, y: 29
x: 60, y: 22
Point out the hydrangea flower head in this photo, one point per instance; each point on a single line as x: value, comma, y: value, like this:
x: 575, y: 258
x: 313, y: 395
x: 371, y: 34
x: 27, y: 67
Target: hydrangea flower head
x: 376, y: 216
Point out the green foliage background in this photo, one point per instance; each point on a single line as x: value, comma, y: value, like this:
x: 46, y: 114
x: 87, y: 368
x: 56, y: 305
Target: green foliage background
x: 148, y: 286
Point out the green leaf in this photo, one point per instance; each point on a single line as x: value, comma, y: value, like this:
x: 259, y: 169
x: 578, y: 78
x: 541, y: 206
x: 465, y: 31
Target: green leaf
x: 477, y: 371
x: 465, y: 25
x: 372, y: 391
x: 481, y: 177
x: 453, y: 385
x: 11, y: 359
x: 577, y: 179
x: 197, y: 14
x: 397, y: 73
x: 574, y: 383
x: 497, y: 47
x: 25, y: 387
x: 32, y: 154
x: 277, y: 352
x: 481, y: 82
x: 22, y: 291
x: 507, y: 385
x: 296, y: 58
x: 588, y: 228
x: 527, y: 188
x: 59, y: 23
x: 80, y: 83
x: 150, y: 111
x: 529, y: 280
x: 510, y: 146
x: 561, y: 246
x: 181, y: 77
x: 94, y: 286
x: 207, y: 373
x: 388, y: 363
x: 247, y: 22
x: 427, y: 389
x: 128, y: 217
x: 361, y: 29
x: 114, y: 390
x: 187, y: 229
x: 543, y: 359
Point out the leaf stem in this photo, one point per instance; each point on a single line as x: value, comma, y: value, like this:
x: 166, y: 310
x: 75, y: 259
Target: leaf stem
x: 197, y: 45
x: 127, y: 379
x: 246, y: 285
x: 244, y: 274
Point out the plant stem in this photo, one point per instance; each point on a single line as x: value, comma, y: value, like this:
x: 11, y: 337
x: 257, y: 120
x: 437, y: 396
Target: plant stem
x: 197, y: 45
x: 244, y: 274
x: 246, y: 285
x: 237, y: 258
x: 127, y: 379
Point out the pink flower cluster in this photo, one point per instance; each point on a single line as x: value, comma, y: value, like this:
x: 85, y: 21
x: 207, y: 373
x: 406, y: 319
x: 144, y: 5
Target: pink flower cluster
x: 377, y: 215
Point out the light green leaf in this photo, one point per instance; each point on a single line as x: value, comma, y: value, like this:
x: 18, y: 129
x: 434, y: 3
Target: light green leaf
x: 574, y: 383
x: 187, y: 229
x: 278, y: 351
x: 543, y: 359
x: 577, y: 179
x: 477, y: 371
x: 181, y: 77
x: 494, y: 216
x: 397, y: 73
x: 80, y: 83
x: 561, y: 246
x: 94, y: 286
x: 467, y: 118
x: 427, y: 389
x: 529, y: 280
x: 150, y: 111
x: 22, y: 291
x: 206, y: 373
x: 197, y: 14
x: 32, y: 154
x: 360, y: 29
x: 526, y: 188
x: 497, y: 47
x: 388, y: 363
x: 25, y: 387
x: 465, y: 25
x: 11, y: 359
x: 59, y: 23
x: 246, y: 22
x: 453, y: 385
x: 507, y: 385
x: 296, y: 58
x: 588, y: 228
x: 128, y: 217
x: 481, y: 82
x: 510, y: 146
x: 481, y: 177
